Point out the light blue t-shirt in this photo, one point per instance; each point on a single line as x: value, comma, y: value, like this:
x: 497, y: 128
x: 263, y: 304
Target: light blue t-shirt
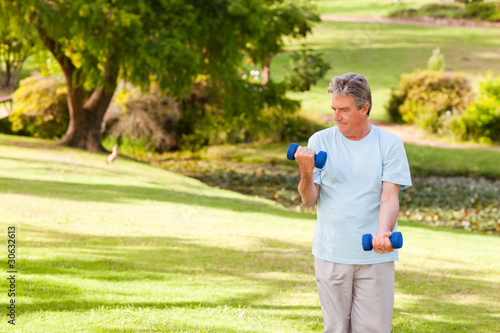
x: 351, y: 186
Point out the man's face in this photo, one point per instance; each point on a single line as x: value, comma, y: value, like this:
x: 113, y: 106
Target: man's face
x: 350, y: 121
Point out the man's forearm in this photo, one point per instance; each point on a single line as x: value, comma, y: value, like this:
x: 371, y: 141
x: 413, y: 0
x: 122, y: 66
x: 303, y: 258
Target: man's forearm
x: 388, y: 215
x: 308, y: 190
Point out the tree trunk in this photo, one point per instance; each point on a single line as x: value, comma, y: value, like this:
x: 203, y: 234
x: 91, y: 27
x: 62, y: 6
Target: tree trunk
x: 266, y: 71
x: 85, y: 117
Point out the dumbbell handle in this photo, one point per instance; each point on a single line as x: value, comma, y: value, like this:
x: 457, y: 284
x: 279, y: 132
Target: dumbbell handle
x: 396, y: 240
x: 319, y: 158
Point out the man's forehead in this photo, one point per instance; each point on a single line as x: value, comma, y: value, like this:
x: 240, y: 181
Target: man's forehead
x: 341, y: 102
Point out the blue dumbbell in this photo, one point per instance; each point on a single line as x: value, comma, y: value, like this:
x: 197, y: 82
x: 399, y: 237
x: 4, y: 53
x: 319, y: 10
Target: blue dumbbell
x: 319, y: 158
x: 396, y: 240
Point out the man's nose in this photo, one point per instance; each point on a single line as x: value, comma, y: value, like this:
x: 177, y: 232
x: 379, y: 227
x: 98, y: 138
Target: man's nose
x: 336, y: 116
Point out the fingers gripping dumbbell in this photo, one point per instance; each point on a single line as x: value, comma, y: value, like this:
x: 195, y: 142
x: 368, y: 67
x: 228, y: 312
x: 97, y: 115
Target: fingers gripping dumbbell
x: 396, y: 240
x: 319, y: 158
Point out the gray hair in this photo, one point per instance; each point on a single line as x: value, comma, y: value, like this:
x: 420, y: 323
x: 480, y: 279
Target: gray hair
x: 355, y: 85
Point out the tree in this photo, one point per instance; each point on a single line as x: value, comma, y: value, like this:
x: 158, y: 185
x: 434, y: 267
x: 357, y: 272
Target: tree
x: 288, y: 18
x: 94, y: 41
x: 15, y: 47
x: 169, y: 42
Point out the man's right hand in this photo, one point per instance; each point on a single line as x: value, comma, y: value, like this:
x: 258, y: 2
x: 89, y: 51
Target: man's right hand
x: 305, y: 158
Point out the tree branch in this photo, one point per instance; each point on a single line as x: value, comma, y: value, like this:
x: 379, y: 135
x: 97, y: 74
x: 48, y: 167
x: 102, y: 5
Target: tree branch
x: 66, y: 64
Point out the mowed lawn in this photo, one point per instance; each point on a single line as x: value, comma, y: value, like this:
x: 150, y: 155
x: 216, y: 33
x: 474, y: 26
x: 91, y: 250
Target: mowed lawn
x: 383, y: 52
x: 133, y: 248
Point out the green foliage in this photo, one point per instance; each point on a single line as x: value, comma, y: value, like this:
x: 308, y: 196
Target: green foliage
x: 404, y: 12
x: 279, y: 19
x: 481, y: 120
x: 436, y: 61
x: 427, y: 98
x: 440, y: 10
x: 16, y: 44
x: 478, y: 10
x: 145, y: 119
x: 485, y: 11
x: 434, y: 10
x: 304, y: 70
x: 244, y: 111
x: 249, y: 112
x: 41, y: 108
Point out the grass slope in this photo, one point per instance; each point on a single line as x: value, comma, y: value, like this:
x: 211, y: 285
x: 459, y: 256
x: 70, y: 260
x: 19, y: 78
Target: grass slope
x: 382, y: 52
x: 365, y: 7
x: 132, y: 248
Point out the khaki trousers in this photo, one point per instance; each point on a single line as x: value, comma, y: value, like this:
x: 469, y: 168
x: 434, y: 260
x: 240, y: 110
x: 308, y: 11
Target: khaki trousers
x: 355, y: 298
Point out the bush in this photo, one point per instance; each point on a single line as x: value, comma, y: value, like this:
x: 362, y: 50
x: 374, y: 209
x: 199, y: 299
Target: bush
x: 481, y: 120
x: 145, y: 119
x: 404, y: 12
x: 436, y: 61
x: 433, y: 10
x: 41, y: 109
x: 426, y: 98
x: 485, y: 11
x: 304, y: 70
x: 243, y: 111
x: 441, y: 10
x: 251, y: 112
x: 479, y: 10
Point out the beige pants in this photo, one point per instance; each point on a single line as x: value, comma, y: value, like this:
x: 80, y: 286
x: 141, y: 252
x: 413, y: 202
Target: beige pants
x: 355, y: 298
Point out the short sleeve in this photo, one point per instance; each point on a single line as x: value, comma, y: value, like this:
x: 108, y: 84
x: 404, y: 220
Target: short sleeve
x: 313, y: 144
x: 395, y: 168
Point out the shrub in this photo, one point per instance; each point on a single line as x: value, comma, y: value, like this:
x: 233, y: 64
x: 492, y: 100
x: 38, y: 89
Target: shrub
x: 404, y: 12
x: 485, y: 11
x: 436, y: 61
x: 426, y: 97
x: 433, y: 10
x: 481, y: 120
x: 304, y: 70
x: 441, y: 10
x: 473, y: 9
x: 244, y: 111
x: 251, y: 112
x: 41, y: 109
x: 145, y: 119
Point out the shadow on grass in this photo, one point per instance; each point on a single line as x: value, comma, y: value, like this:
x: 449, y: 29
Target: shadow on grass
x: 446, y: 301
x: 158, y: 259
x: 121, y: 193
x: 220, y: 273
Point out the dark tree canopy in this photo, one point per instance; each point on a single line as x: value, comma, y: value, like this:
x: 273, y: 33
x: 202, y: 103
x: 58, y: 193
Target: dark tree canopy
x: 168, y: 42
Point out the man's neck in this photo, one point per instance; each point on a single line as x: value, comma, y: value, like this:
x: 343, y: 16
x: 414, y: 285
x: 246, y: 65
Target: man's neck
x: 361, y: 133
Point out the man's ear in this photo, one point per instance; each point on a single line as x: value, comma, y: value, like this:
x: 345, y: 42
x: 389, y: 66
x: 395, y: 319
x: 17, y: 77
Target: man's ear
x: 366, y: 107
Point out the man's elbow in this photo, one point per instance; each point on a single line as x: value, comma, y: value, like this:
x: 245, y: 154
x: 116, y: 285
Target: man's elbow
x: 308, y: 202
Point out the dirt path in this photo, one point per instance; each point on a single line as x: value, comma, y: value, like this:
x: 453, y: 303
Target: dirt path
x: 412, y: 134
x: 422, y: 21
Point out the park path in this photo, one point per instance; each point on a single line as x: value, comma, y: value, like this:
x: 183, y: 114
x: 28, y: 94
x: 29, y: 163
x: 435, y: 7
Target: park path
x: 412, y: 134
x: 422, y: 21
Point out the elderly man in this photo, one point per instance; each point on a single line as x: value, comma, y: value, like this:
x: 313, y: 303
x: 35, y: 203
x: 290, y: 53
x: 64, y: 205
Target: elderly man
x: 357, y: 193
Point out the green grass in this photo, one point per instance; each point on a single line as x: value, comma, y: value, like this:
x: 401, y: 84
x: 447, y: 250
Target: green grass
x: 132, y: 248
x: 424, y: 160
x: 382, y: 52
x: 364, y: 7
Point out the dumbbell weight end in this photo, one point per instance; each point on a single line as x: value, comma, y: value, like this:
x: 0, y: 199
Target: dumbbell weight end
x: 319, y: 158
x: 396, y: 240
